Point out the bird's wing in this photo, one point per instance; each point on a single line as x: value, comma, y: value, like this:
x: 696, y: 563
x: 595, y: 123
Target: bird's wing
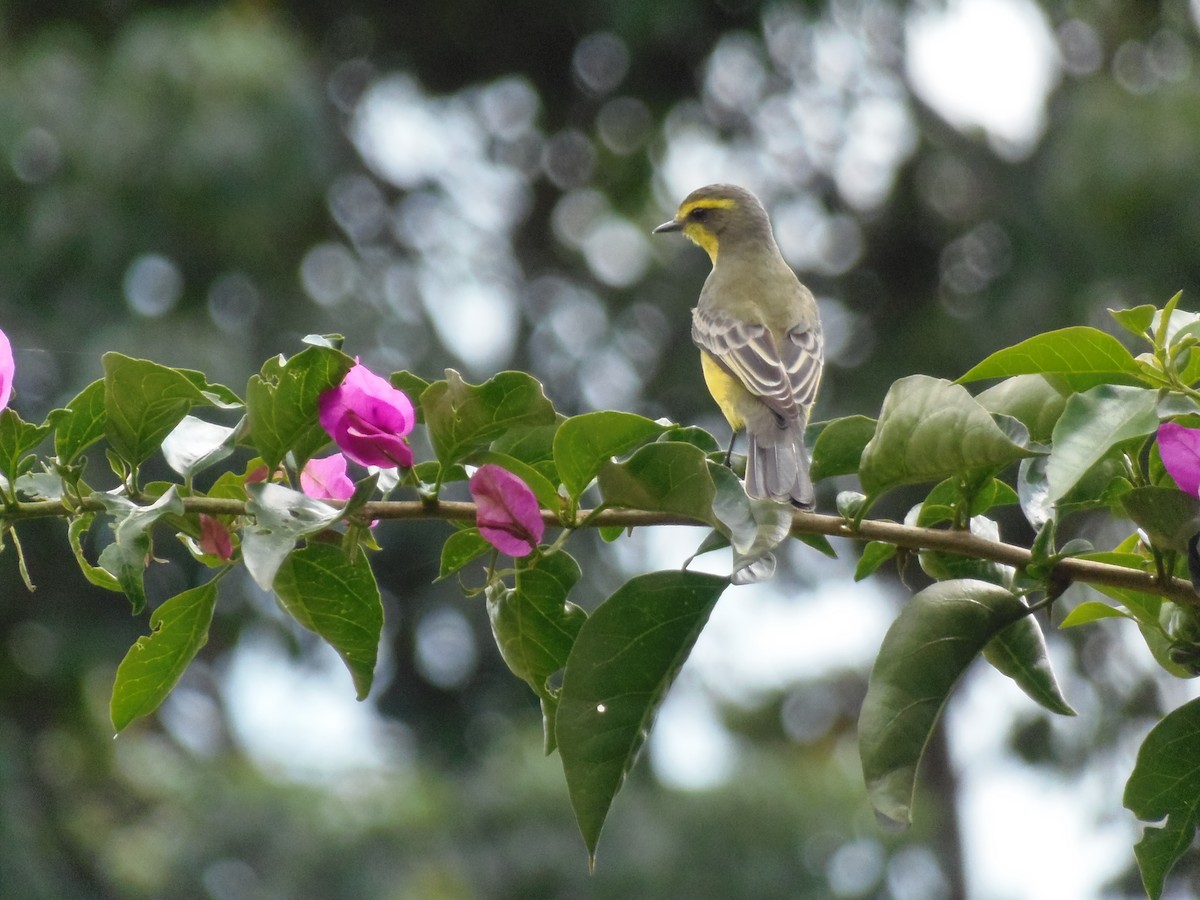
x: 784, y: 373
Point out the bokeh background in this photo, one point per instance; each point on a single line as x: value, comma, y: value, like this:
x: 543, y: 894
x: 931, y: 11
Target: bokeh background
x: 456, y: 183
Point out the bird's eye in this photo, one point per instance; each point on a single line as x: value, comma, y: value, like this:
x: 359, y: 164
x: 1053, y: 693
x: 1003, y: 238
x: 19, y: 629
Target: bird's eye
x: 699, y: 214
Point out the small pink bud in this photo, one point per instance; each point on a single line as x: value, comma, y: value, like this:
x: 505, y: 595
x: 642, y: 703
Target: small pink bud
x: 507, y: 511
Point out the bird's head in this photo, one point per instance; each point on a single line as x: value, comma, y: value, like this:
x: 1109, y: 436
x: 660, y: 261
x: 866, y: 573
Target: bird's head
x: 719, y: 214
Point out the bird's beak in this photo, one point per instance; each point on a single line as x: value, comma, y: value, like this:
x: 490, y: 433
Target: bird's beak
x: 673, y: 225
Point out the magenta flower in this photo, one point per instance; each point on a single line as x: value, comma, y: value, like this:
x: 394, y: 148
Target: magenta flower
x: 369, y: 419
x: 326, y: 478
x: 507, y: 512
x: 1180, y: 451
x: 7, y: 368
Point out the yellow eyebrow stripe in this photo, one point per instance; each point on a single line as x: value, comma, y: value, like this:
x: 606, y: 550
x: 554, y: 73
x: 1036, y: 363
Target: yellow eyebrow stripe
x: 707, y: 203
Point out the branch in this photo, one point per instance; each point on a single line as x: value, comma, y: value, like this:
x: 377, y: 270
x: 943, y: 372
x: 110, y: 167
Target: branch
x: 906, y: 536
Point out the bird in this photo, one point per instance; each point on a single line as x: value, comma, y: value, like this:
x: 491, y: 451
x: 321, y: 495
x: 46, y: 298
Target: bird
x: 759, y: 334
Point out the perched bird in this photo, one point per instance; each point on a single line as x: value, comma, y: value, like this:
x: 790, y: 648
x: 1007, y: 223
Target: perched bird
x: 759, y: 336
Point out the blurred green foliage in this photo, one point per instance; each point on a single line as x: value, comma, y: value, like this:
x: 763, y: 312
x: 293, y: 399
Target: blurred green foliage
x: 196, y: 184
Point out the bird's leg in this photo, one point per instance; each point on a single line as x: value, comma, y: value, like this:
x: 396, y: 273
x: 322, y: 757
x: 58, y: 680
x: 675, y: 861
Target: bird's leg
x: 729, y: 452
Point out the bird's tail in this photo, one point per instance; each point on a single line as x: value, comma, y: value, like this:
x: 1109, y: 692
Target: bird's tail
x: 777, y: 464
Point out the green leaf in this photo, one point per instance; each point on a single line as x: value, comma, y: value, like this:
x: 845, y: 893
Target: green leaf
x: 194, y: 445
x: 17, y: 439
x: 80, y: 423
x: 818, y: 542
x: 532, y: 445
x: 691, y: 434
x: 1030, y: 399
x: 1170, y: 321
x: 413, y: 387
x: 1019, y: 651
x: 154, y: 665
x: 851, y: 504
x: 1093, y: 424
x: 1144, y: 607
x: 216, y: 394
x: 128, y: 555
x: 839, y: 446
x: 944, y: 566
x: 461, y: 548
x: 874, y: 555
x: 1165, y: 788
x: 585, y: 444
x: 1076, y: 351
x: 1137, y: 320
x: 535, y: 626
x: 1168, y: 516
x: 753, y: 527
x: 95, y: 575
x: 928, y: 430
x: 338, y: 599
x: 661, y: 477
x: 279, y: 517
x: 624, y: 659
x: 462, y: 418
x: 931, y: 643
x: 1092, y: 611
x: 143, y: 402
x: 281, y: 403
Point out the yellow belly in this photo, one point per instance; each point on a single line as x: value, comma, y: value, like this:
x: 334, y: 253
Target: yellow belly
x: 725, y: 389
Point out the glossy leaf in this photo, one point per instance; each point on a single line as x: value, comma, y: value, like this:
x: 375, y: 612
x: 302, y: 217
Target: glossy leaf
x: 281, y: 403
x: 584, y: 444
x: 279, y: 516
x: 662, y: 477
x: 143, y: 402
x: 338, y: 599
x: 1165, y: 789
x: 874, y: 555
x: 1091, y: 426
x: 127, y: 556
x: 1030, y: 399
x: 933, y: 640
x: 154, y: 665
x: 624, y: 659
x: 1168, y: 517
x: 1136, y: 320
x: 928, y: 430
x: 461, y: 548
x: 1019, y: 651
x: 194, y: 445
x: 95, y: 575
x: 753, y: 527
x: 691, y: 434
x: 80, y: 423
x: 839, y: 446
x: 941, y: 565
x: 462, y: 417
x: 1078, y: 350
x: 1091, y: 611
x: 535, y: 626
